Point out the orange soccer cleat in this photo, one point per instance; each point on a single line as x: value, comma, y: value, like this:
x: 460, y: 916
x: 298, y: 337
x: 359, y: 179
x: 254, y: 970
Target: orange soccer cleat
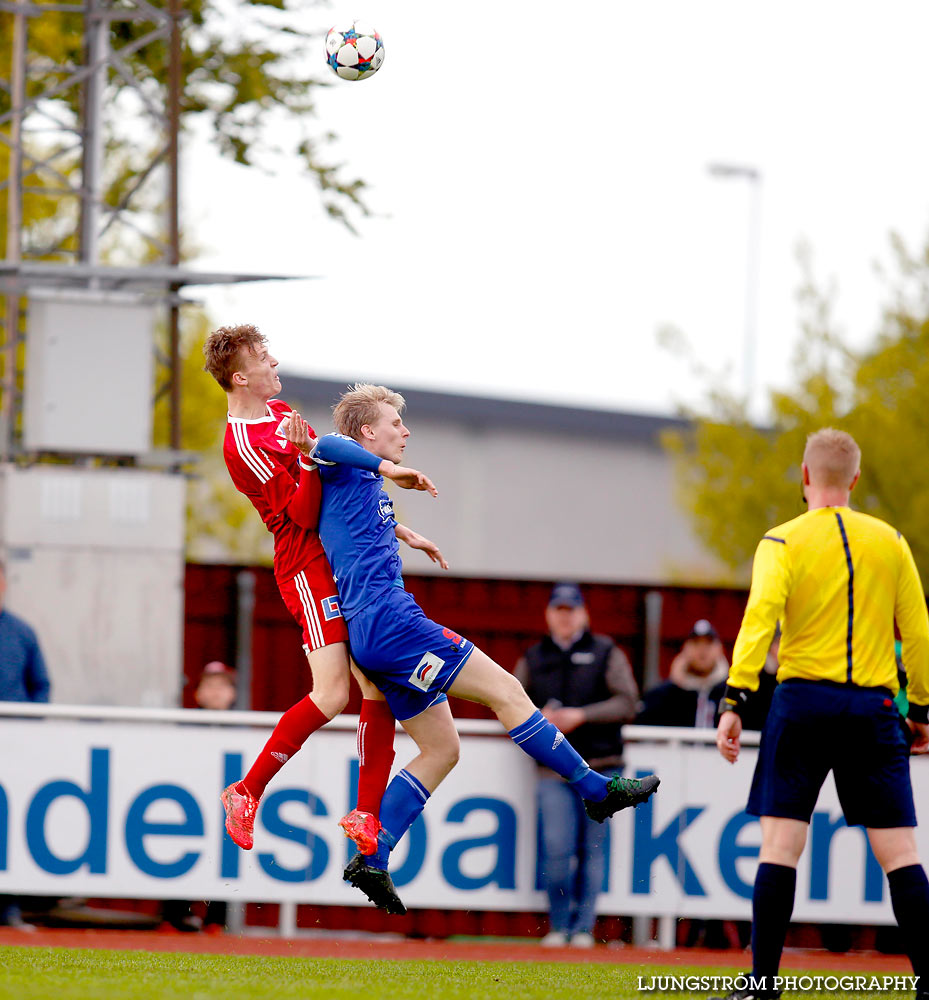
x: 362, y: 828
x: 240, y: 816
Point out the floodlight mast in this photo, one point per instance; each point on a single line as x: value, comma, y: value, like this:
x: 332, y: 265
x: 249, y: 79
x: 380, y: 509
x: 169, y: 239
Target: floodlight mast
x: 97, y: 45
x: 13, y: 226
x: 174, y: 230
x: 28, y: 264
x: 736, y: 171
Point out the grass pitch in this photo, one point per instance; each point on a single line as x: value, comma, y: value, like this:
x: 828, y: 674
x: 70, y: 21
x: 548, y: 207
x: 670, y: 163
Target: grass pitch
x: 28, y: 973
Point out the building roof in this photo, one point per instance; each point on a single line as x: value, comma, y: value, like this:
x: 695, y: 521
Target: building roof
x: 486, y: 411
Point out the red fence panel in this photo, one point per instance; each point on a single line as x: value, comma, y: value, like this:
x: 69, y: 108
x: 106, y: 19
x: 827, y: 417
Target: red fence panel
x: 503, y: 617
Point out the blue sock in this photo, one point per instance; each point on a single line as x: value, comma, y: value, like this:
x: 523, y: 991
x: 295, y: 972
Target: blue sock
x: 403, y: 801
x: 546, y: 744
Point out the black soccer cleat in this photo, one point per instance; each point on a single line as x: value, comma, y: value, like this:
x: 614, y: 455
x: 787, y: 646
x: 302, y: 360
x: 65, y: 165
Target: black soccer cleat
x: 375, y: 883
x: 621, y: 793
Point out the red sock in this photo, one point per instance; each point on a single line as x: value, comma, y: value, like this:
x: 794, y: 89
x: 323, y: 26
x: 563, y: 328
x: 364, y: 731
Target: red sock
x: 291, y: 732
x: 376, y: 728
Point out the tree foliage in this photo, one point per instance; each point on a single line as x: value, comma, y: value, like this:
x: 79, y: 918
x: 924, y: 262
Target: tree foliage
x: 736, y: 479
x: 246, y: 77
x: 251, y: 83
x: 221, y: 522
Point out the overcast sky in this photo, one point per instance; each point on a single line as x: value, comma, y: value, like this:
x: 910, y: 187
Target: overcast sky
x: 539, y: 174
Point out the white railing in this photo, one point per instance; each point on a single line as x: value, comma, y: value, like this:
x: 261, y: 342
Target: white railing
x: 675, y: 735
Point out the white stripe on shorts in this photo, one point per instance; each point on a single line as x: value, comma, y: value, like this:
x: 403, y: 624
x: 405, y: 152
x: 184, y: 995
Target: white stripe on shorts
x: 314, y: 628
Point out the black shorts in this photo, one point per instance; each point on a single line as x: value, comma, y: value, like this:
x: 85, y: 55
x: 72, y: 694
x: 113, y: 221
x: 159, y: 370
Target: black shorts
x: 815, y: 727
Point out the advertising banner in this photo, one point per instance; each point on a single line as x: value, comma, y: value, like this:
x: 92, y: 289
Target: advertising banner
x: 131, y: 809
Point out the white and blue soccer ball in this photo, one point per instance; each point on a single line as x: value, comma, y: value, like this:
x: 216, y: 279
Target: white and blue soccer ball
x: 354, y: 50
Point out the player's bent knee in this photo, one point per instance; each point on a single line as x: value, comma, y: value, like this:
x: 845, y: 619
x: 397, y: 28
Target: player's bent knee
x: 332, y: 700
x: 511, y: 693
x: 444, y: 753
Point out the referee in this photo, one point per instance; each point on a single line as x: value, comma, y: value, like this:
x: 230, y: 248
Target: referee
x: 836, y: 580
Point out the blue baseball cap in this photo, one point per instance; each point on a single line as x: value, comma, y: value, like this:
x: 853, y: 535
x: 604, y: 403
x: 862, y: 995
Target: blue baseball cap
x: 566, y: 595
x: 702, y: 629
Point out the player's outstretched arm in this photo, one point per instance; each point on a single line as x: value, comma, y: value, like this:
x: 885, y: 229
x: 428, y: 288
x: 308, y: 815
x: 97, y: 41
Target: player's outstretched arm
x: 407, y: 479
x: 336, y: 449
x: 417, y: 541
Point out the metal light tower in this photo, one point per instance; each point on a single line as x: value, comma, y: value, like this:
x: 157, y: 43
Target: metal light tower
x: 749, y: 348
x: 90, y: 538
x: 65, y: 163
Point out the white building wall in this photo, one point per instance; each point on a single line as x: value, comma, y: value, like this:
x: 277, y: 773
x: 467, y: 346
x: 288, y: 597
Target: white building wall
x: 531, y: 503
x: 95, y: 564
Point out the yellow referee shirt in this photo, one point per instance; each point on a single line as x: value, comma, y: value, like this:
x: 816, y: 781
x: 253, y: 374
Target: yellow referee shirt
x: 836, y: 579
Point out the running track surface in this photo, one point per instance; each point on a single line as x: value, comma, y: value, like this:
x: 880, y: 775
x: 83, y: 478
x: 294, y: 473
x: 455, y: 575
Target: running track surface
x: 382, y: 947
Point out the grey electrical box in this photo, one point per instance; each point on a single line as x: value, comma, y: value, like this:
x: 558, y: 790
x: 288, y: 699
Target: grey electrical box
x: 89, y: 373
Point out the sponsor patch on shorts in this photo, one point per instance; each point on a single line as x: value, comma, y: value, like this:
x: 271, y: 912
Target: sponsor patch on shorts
x: 426, y: 671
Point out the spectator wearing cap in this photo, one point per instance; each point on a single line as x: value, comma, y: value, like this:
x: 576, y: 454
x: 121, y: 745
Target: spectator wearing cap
x: 696, y: 681
x: 583, y: 683
x: 216, y: 688
x: 690, y: 697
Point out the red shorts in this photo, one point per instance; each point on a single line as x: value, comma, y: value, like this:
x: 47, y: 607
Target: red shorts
x: 311, y: 597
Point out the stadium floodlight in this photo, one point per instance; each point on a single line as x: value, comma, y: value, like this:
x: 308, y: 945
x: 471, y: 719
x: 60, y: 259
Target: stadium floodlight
x: 738, y: 171
x: 734, y: 170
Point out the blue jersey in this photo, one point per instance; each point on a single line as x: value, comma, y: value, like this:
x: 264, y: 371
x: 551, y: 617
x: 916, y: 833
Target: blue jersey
x: 356, y: 523
x: 412, y: 659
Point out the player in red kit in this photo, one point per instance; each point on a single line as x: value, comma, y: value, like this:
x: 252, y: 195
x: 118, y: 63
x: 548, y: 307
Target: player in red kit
x: 264, y: 450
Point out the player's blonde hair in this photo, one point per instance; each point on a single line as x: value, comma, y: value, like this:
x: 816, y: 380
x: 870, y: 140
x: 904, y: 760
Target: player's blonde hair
x: 832, y: 457
x: 361, y: 405
x: 221, y: 350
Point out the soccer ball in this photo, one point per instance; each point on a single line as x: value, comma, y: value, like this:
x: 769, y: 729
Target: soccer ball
x: 354, y: 51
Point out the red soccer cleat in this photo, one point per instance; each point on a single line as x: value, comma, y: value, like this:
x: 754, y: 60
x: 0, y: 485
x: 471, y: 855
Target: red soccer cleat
x: 362, y: 828
x: 240, y: 816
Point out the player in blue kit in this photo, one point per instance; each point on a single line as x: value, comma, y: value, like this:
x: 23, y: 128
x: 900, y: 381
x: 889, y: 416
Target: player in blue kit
x: 415, y: 662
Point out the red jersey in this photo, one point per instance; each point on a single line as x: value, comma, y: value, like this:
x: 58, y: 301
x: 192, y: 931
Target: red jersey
x: 283, y: 487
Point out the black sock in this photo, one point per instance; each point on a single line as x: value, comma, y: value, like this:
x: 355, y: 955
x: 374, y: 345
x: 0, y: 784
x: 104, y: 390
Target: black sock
x: 772, y: 905
x: 909, y: 896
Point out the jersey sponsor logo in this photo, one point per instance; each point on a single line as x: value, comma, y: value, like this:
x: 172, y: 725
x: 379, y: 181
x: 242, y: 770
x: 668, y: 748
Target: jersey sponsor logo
x: 426, y: 671
x: 385, y: 508
x: 559, y: 738
x: 280, y: 435
x: 331, y: 608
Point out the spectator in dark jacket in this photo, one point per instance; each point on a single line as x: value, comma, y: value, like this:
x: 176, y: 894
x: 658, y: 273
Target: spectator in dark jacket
x: 583, y: 683
x: 688, y: 697
x: 23, y: 677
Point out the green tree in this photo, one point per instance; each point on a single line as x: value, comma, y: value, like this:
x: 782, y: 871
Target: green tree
x: 251, y: 80
x: 736, y: 479
x: 251, y: 83
x: 221, y: 523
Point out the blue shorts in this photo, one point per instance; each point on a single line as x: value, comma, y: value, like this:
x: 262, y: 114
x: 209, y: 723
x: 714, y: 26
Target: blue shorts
x: 410, y: 658
x: 857, y: 733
